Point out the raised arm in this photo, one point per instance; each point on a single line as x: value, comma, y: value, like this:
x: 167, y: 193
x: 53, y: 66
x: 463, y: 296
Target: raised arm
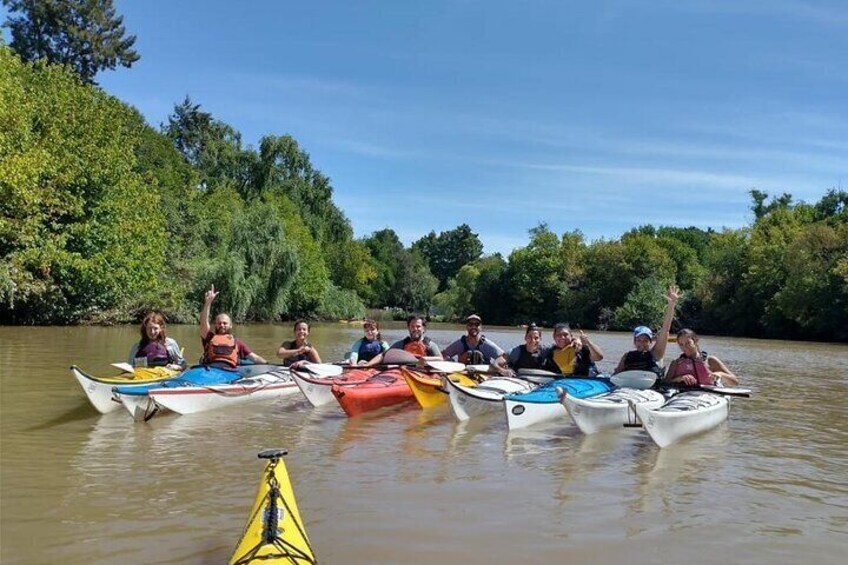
x: 595, y: 352
x: 204, y: 312
x: 672, y: 296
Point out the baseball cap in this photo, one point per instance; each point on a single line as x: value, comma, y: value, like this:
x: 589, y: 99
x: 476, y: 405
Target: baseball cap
x: 473, y: 318
x: 643, y: 330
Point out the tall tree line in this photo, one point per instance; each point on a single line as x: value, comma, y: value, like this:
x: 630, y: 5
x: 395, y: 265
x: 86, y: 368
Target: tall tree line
x: 104, y: 217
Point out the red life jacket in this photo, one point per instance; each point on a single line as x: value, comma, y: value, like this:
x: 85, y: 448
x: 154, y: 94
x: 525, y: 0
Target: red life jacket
x: 221, y: 349
x: 417, y: 348
x: 697, y: 367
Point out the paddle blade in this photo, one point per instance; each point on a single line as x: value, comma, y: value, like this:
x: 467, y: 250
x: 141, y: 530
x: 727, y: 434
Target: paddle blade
x: 728, y: 390
x: 446, y: 366
x: 322, y: 369
x: 125, y: 367
x: 399, y: 357
x: 634, y: 379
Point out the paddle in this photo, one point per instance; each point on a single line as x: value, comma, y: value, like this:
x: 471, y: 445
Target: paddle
x: 321, y: 369
x: 447, y: 366
x: 725, y: 390
x: 125, y: 367
x: 399, y: 357
x: 634, y: 379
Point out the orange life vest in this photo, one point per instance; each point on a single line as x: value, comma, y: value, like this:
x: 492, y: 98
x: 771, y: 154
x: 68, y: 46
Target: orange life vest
x: 221, y: 349
x: 417, y: 348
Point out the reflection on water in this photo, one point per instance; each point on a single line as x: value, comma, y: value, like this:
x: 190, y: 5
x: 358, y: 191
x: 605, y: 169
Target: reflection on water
x: 406, y: 485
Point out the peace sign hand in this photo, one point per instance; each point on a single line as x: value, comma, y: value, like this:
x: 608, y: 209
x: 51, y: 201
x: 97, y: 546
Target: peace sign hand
x: 210, y: 295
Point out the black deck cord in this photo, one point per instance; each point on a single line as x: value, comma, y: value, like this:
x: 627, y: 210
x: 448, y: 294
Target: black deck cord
x: 269, y: 535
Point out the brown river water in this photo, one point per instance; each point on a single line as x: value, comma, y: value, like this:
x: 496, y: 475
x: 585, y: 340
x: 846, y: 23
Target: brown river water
x: 404, y: 485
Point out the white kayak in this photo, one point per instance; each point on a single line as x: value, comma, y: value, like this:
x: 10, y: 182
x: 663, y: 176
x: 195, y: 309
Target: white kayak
x: 685, y: 414
x: 318, y: 389
x: 98, y: 390
x: 468, y: 401
x: 612, y: 410
x: 259, y: 382
x: 543, y: 404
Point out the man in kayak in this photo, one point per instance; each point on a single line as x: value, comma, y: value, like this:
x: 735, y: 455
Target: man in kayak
x: 473, y: 348
x: 415, y: 343
x: 220, y: 347
x: 573, y: 356
x: 648, y: 355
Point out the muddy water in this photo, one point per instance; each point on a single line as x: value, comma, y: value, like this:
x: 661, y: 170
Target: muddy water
x: 410, y: 486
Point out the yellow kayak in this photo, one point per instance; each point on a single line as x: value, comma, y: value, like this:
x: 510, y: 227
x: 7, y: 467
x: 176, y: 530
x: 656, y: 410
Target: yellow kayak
x: 274, y: 532
x: 428, y: 389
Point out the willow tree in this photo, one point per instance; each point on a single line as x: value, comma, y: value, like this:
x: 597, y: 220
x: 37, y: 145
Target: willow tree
x: 256, y: 266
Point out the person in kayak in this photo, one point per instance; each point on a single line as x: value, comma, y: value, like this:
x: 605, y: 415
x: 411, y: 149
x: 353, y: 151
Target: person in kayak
x: 220, y: 347
x: 473, y: 348
x: 155, y: 348
x: 368, y: 347
x: 529, y: 355
x: 649, y: 353
x: 573, y: 356
x: 297, y: 351
x: 696, y: 367
x: 416, y: 342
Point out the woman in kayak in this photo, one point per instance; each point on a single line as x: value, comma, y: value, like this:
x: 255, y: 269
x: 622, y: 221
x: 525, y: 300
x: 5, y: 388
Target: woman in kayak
x: 530, y: 355
x: 368, y: 347
x: 696, y: 367
x: 648, y: 355
x: 295, y: 352
x: 156, y: 349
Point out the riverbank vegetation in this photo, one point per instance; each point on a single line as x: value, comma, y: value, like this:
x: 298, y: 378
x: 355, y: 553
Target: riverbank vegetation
x: 105, y: 217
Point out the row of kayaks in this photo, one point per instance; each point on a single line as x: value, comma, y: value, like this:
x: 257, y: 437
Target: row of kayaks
x: 275, y: 532
x: 527, y: 399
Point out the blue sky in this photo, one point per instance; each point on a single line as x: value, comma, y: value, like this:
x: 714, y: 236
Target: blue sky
x: 598, y: 116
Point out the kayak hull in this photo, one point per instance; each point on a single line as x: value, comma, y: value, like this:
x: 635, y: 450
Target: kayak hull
x: 684, y: 415
x: 98, y: 390
x: 141, y: 406
x: 611, y: 410
x: 543, y: 405
x: 319, y: 390
x: 470, y: 401
x: 428, y: 389
x: 383, y: 389
x: 274, y: 532
x: 264, y: 382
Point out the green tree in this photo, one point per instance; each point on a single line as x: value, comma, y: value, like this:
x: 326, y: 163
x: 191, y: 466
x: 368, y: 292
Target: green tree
x: 86, y: 35
x: 286, y: 169
x: 79, y: 230
x: 352, y: 267
x: 449, y: 251
x: 213, y: 148
x: 535, y: 278
x: 387, y: 251
x: 415, y: 285
x: 257, y: 267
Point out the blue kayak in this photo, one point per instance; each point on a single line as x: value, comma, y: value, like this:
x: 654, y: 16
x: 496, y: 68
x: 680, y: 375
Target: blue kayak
x: 543, y: 405
x: 201, y: 375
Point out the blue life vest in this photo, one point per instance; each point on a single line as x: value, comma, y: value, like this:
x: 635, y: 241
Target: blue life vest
x: 369, y: 349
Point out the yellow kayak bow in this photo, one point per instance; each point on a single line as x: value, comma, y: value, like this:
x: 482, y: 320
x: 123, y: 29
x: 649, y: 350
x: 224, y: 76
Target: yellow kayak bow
x: 274, y: 532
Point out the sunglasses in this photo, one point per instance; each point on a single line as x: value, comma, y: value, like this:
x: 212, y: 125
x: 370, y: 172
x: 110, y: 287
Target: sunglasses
x: 474, y: 324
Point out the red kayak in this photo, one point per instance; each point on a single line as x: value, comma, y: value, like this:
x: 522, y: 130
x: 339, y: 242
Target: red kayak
x: 383, y: 389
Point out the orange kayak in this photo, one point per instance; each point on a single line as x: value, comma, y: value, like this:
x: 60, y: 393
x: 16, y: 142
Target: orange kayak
x: 383, y: 389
